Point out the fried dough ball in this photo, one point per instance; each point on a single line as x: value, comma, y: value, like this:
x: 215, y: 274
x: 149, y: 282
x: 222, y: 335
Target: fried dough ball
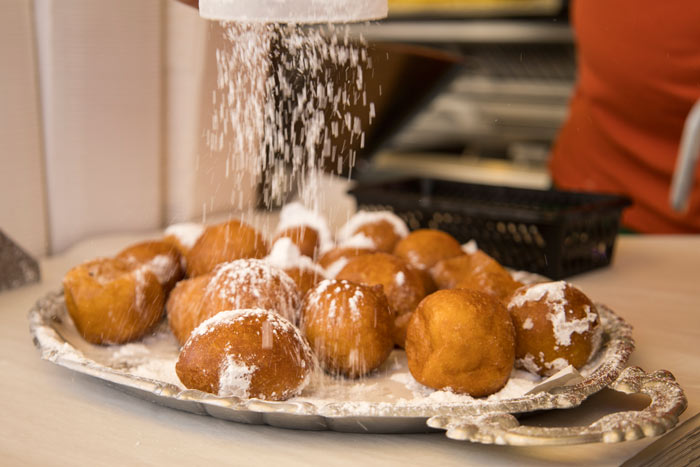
x: 556, y: 325
x: 383, y: 228
x: 477, y: 271
x: 184, y: 306
x: 348, y: 326
x: 401, y: 284
x: 424, y: 248
x: 448, y: 272
x: 335, y: 259
x: 162, y: 258
x: 244, y: 283
x: 111, y: 302
x: 304, y: 237
x: 222, y: 243
x: 250, y: 353
x: 183, y: 236
x: 463, y: 340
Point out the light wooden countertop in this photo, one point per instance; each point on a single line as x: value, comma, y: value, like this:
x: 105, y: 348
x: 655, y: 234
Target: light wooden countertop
x: 53, y: 416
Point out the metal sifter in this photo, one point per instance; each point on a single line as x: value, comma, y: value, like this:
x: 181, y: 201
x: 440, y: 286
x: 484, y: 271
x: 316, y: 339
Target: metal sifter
x: 293, y: 11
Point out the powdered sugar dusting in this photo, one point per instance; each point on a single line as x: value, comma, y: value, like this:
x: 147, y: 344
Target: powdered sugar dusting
x: 563, y: 324
x: 358, y: 240
x: 164, y: 267
x: 528, y: 362
x: 338, y: 305
x: 564, y: 328
x: 255, y: 277
x: 470, y: 247
x: 140, y: 286
x: 336, y: 266
x: 362, y: 218
x: 557, y: 364
x: 528, y: 324
x: 554, y: 291
x: 235, y: 376
x: 296, y: 215
x: 187, y: 233
x: 284, y: 254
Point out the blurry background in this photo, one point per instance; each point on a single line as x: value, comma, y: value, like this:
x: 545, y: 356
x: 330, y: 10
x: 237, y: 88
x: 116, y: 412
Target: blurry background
x: 103, y: 106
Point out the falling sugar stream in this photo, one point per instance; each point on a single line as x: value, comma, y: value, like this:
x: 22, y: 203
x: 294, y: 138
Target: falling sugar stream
x: 290, y: 103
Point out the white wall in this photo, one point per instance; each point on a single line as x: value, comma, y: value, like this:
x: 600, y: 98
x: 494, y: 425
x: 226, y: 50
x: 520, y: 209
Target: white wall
x: 100, y: 69
x: 103, y: 111
x: 22, y: 195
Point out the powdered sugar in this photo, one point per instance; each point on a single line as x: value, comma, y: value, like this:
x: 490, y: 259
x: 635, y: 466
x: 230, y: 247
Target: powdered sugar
x: 296, y: 214
x: 336, y: 266
x: 528, y: 362
x: 284, y: 254
x: 563, y: 324
x: 528, y: 324
x: 163, y: 267
x: 554, y: 291
x: 400, y: 278
x: 557, y: 364
x: 292, y: 110
x: 338, y: 305
x: 277, y: 322
x: 358, y: 240
x: 362, y: 218
x: 470, y: 247
x: 235, y: 377
x: 187, y: 233
x: 234, y: 281
x: 139, y: 275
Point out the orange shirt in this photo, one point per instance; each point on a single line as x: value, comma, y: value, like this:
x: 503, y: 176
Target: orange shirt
x: 639, y: 75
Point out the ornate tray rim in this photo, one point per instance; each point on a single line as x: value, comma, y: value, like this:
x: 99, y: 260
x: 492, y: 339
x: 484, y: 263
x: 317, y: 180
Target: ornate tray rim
x: 484, y: 422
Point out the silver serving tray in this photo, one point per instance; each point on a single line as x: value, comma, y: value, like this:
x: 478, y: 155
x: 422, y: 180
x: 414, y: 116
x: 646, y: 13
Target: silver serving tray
x: 480, y: 420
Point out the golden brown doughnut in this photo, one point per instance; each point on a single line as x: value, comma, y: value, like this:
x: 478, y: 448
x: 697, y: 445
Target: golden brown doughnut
x: 184, y: 306
x: 248, y: 354
x: 348, y: 326
x: 556, y: 325
x: 402, y: 285
x: 477, y: 271
x: 224, y: 242
x: 462, y: 340
x: 239, y: 284
x: 162, y: 258
x: 111, y: 302
x: 423, y: 248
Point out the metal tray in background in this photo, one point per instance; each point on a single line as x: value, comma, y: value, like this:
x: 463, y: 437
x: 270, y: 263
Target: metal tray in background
x: 479, y: 420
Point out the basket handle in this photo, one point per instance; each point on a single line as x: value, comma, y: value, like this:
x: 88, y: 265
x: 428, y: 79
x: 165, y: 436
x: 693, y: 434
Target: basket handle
x: 667, y: 403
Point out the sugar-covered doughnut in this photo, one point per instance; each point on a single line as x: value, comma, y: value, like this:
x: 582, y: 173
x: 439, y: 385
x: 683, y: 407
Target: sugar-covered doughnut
x: 556, y: 325
x: 348, y: 326
x: 112, y: 302
x: 251, y: 353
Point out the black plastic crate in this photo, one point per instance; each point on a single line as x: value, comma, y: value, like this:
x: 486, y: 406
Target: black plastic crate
x: 553, y: 233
